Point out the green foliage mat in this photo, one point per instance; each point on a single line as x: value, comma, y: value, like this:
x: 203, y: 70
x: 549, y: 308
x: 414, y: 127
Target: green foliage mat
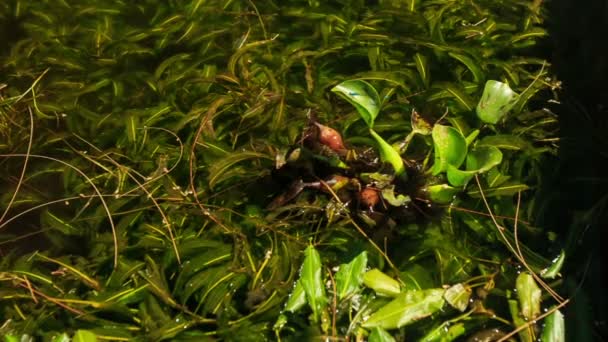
x: 182, y: 170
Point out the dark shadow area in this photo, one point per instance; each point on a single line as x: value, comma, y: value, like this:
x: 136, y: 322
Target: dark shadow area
x: 579, y: 51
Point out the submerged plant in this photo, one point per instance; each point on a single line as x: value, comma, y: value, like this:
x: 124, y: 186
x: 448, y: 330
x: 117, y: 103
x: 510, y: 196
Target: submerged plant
x: 166, y: 176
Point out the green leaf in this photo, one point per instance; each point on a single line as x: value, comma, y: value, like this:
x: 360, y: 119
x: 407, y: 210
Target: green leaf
x: 363, y: 96
x: 350, y: 276
x: 312, y: 282
x: 388, y: 194
x: 84, y: 336
x: 526, y: 334
x: 504, y: 141
x: 496, y: 101
x: 555, y: 328
x: 297, y: 298
x: 529, y: 295
x: 505, y: 189
x: 556, y: 265
x: 450, y: 148
x: 458, y: 296
x: 389, y: 154
x: 381, y: 283
x: 441, y: 193
x: 445, y: 332
x: 61, y: 338
x: 482, y: 159
x: 471, y: 137
x: 380, y: 335
x: 471, y: 65
x: 220, y: 170
x: 423, y: 68
x: 407, y: 308
x: 459, y: 177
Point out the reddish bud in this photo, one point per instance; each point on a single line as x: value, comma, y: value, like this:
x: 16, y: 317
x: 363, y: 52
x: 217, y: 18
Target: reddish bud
x: 330, y: 138
x: 369, y: 197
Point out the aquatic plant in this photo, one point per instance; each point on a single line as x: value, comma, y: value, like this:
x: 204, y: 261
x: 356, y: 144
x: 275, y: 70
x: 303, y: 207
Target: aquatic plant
x: 202, y: 170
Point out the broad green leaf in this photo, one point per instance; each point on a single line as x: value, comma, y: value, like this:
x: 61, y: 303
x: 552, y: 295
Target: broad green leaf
x: 350, y: 276
x: 458, y: 296
x: 84, y: 336
x: 381, y: 283
x: 556, y: 265
x: 529, y: 295
x: 496, y: 101
x: 312, y: 282
x: 459, y: 178
x: 450, y: 148
x: 526, y: 334
x: 441, y: 193
x: 483, y: 158
x: 423, y: 68
x: 380, y: 335
x: 407, y: 308
x: 555, y: 328
x: 471, y: 65
x: 388, y: 194
x: 11, y: 338
x: 504, y: 141
x: 363, y: 96
x: 389, y: 154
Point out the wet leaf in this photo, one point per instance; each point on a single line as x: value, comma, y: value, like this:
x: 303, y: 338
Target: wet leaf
x: 441, y: 193
x: 381, y: 283
x: 363, y: 96
x: 388, y: 194
x: 526, y: 334
x: 380, y: 335
x: 407, y: 308
x: 496, y: 101
x: 446, y: 332
x: 350, y: 276
x: 458, y: 296
x: 389, y: 154
x: 552, y: 271
x: 529, y: 295
x: 449, y: 146
x: 555, y: 328
x: 479, y: 160
x: 312, y: 282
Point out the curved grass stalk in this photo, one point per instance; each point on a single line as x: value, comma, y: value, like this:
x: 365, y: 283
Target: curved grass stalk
x: 516, y: 251
x: 22, y: 175
x: 164, y: 217
x: 90, y: 181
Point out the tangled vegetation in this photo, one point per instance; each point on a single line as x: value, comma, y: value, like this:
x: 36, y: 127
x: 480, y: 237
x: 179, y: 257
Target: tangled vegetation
x: 265, y: 170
